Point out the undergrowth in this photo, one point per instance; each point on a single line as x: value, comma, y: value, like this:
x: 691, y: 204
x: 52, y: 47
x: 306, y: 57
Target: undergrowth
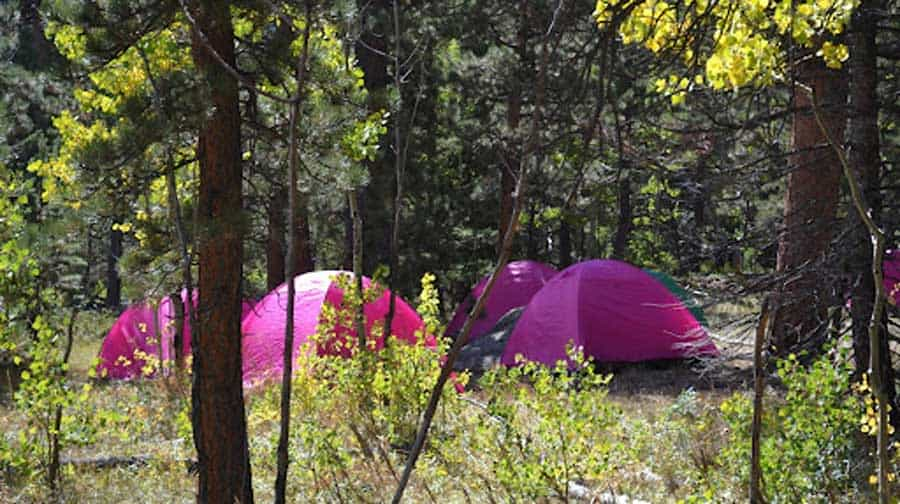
x: 526, y: 434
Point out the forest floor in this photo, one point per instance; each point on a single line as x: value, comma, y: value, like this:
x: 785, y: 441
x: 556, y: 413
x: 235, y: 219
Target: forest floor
x: 140, y: 449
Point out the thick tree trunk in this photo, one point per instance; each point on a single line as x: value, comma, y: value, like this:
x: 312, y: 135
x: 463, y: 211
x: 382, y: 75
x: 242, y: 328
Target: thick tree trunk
x: 275, y: 244
x: 813, y: 186
x: 220, y: 430
x: 865, y: 159
x: 113, y: 280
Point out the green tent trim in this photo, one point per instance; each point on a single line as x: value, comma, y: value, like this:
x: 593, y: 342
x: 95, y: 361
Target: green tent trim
x: 689, y: 302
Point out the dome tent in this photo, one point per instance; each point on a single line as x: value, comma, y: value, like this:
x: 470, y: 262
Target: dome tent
x: 263, y: 328
x: 132, y: 336
x: 142, y: 334
x: 514, y: 288
x: 614, y: 311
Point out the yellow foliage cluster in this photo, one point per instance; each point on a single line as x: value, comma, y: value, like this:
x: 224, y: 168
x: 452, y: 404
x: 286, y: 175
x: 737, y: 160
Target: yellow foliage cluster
x: 746, y: 47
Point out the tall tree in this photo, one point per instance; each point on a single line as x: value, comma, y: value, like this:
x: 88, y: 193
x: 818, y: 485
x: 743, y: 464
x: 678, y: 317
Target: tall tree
x: 220, y: 429
x: 810, y: 207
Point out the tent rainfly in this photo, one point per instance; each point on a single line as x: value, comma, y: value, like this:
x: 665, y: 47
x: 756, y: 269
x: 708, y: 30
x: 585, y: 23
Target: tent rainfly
x: 613, y: 311
x: 514, y: 288
x: 264, y: 326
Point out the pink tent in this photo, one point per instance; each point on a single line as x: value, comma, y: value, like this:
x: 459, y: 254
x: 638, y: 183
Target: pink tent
x: 515, y: 286
x: 133, y: 332
x: 263, y: 327
x: 615, y: 311
x: 136, y: 331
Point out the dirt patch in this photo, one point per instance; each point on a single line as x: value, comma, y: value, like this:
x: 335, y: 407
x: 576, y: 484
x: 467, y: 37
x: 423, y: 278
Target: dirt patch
x: 670, y: 378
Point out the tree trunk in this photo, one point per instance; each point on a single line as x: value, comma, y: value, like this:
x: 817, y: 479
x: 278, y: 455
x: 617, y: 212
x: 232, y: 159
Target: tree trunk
x: 275, y: 244
x: 113, y: 280
x: 303, y: 250
x: 375, y: 200
x: 624, y: 225
x: 35, y: 51
x: 512, y: 161
x: 865, y: 160
x: 565, y: 243
x: 220, y: 430
x: 810, y: 205
x: 347, y: 259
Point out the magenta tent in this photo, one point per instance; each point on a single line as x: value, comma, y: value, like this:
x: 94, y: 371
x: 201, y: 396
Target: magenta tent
x: 264, y: 326
x: 614, y: 311
x: 135, y: 339
x: 515, y: 286
x: 131, y: 338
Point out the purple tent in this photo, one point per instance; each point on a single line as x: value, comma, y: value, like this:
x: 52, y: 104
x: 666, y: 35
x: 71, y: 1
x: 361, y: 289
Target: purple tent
x: 132, y: 336
x: 515, y: 286
x: 264, y: 326
x: 614, y: 311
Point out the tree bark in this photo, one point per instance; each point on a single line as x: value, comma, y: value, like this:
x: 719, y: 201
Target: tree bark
x: 813, y: 186
x: 220, y: 430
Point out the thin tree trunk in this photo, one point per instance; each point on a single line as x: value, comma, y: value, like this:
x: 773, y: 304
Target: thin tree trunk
x: 565, y: 243
x: 303, y: 255
x: 186, y: 275
x: 512, y: 160
x: 530, y: 151
x: 864, y: 157
x: 810, y: 207
x: 113, y: 280
x: 624, y: 222
x: 399, y: 166
x: 876, y: 360
x: 347, y: 218
x: 374, y: 200
x: 53, y: 465
x: 293, y: 243
x: 759, y: 384
x: 356, y: 216
x: 275, y: 243
x: 218, y: 418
